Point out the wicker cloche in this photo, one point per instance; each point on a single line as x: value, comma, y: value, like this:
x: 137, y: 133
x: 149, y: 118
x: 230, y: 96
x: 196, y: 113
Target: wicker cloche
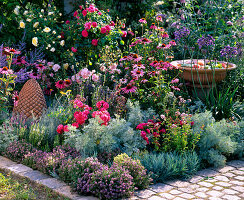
x: 31, y: 100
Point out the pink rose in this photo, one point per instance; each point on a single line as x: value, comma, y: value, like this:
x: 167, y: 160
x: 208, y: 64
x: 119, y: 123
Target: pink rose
x: 94, y: 24
x: 84, y: 13
x: 67, y: 22
x: 84, y: 33
x: 75, y: 13
x: 73, y: 49
x: 88, y: 25
x: 99, y: 13
x: 103, y: 30
x: 124, y: 33
x: 94, y: 42
x: 66, y: 128
x: 95, y: 77
x: 60, y: 129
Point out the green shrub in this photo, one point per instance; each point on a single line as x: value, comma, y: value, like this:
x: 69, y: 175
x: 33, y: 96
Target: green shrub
x: 140, y: 177
x: 170, y: 165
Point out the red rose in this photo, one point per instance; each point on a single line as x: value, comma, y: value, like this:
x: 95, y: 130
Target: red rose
x: 60, y: 129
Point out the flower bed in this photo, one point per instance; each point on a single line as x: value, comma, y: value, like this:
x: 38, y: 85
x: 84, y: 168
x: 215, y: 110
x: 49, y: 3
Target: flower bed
x: 119, y: 115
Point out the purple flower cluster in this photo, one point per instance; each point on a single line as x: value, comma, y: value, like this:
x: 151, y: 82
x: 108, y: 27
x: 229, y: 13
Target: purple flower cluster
x: 112, y: 183
x: 17, y: 150
x: 3, y: 61
x: 181, y: 33
x: 229, y: 52
x: 22, y: 75
x: 137, y: 171
x: 207, y: 41
x: 107, y: 157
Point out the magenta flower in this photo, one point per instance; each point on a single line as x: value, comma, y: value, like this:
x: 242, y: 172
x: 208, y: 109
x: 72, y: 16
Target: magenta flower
x: 34, y: 75
x: 137, y: 73
x: 124, y: 33
x: 129, y: 89
x: 84, y: 33
x: 60, y: 84
x: 94, y: 24
x: 73, y: 49
x: 87, y: 25
x: 94, y: 42
x: 134, y: 57
x: 95, y: 77
x: 67, y: 22
x: 143, y: 21
x: 176, y: 80
x: 84, y: 13
x: 75, y: 13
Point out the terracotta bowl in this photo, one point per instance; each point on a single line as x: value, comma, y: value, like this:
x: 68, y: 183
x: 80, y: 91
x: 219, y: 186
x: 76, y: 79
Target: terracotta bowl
x: 204, y: 77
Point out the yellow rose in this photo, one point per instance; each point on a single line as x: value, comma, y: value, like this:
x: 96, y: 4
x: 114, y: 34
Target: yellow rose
x: 47, y: 29
x: 36, y: 24
x: 22, y: 24
x: 35, y: 41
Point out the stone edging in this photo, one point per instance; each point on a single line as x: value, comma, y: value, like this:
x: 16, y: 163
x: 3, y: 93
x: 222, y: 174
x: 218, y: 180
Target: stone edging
x: 152, y: 193
x: 26, y: 172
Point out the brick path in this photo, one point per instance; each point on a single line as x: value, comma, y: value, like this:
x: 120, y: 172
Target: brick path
x: 213, y: 184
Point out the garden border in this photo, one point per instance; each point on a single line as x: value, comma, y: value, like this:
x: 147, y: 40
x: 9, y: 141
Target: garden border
x: 64, y: 190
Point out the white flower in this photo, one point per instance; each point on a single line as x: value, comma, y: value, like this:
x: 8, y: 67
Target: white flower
x: 59, y: 36
x: 42, y: 10
x: 45, y: 19
x: 28, y: 20
x: 26, y: 12
x: 16, y: 10
x: 49, y: 45
x: 52, y: 49
x: 35, y: 41
x: 22, y: 24
x: 47, y: 29
x: 62, y: 43
x: 53, y: 42
x: 40, y: 16
x: 56, y: 67
x: 36, y: 24
x: 60, y: 14
x: 54, y: 32
x: 50, y: 13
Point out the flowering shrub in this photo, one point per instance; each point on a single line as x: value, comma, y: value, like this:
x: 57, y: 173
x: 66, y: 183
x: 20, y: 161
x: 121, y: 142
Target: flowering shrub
x: 136, y: 170
x: 171, y: 133
x: 112, y: 183
x: 17, y: 150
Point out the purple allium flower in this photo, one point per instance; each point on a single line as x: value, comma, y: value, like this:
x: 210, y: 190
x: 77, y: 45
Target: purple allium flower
x: 181, y: 33
x: 207, y: 41
x: 229, y: 52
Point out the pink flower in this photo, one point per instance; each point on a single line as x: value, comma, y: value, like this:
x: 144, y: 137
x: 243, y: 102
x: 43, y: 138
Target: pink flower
x: 91, y: 8
x: 66, y: 128
x: 124, y: 33
x: 75, y: 13
x: 33, y: 75
x: 73, y: 49
x: 141, y: 126
x: 67, y: 82
x: 78, y: 103
x: 159, y: 18
x: 103, y: 30
x: 143, y: 21
x: 153, y: 26
x: 81, y: 117
x: 94, y: 24
x: 137, y: 73
x: 112, y: 23
x: 102, y: 105
x: 192, y: 123
x: 81, y: 7
x: 84, y: 33
x: 87, y: 25
x: 95, y: 77
x: 56, y: 67
x: 67, y: 22
x: 129, y: 89
x: 60, y: 84
x: 94, y: 42
x: 60, y: 129
x: 176, y: 80
x: 75, y: 124
x: 84, y: 13
x: 85, y: 73
x: 99, y: 13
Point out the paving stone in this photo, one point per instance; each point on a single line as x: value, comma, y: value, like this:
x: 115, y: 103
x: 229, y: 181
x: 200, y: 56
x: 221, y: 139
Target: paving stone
x: 221, y: 178
x: 202, y: 189
x: 238, y: 172
x: 144, y: 193
x: 228, y: 174
x: 238, y: 188
x: 224, y: 184
x: 214, y: 198
x: 195, y: 179
x: 241, y: 178
x: 205, y: 184
x: 225, y: 169
x: 175, y: 192
x: 186, y: 196
x: 5, y: 162
x: 242, y: 168
x: 237, y: 183
x: 160, y: 187
x: 86, y: 198
x: 155, y: 198
x: 214, y: 193
x: 178, y: 183
x: 242, y: 196
x: 201, y: 194
x: 19, y: 168
x: 167, y: 195
x: 179, y: 198
x: 218, y: 188
x: 236, y: 163
x: 187, y: 190
x: 207, y: 173
x: 132, y: 198
x: 35, y: 175
x: 66, y: 191
x: 231, y: 197
x: 229, y: 191
x: 52, y: 183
